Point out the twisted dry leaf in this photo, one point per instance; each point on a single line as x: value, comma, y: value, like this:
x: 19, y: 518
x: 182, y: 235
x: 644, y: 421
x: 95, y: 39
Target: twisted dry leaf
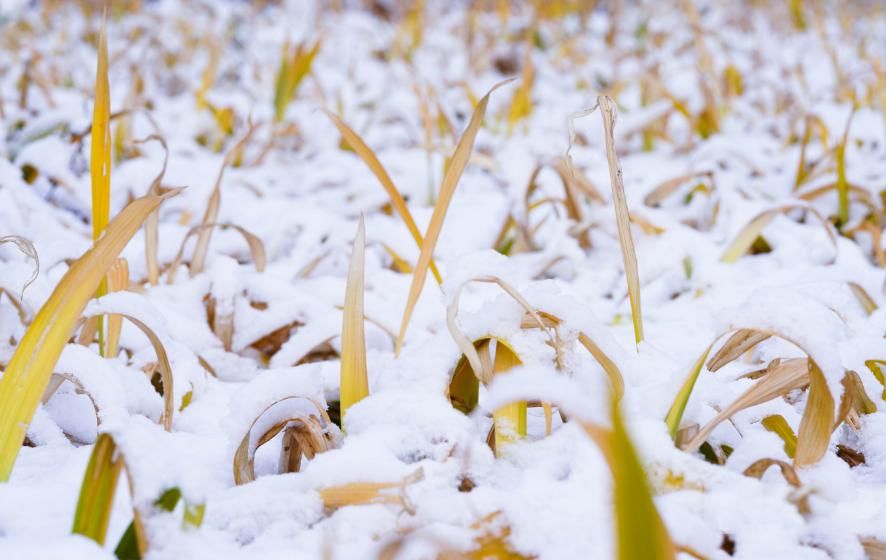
x: 308, y: 431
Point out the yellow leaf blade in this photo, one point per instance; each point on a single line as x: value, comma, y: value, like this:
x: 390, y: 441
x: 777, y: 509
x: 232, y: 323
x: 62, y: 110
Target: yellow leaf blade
x: 447, y: 189
x: 100, y: 152
x: 354, y: 382
x: 31, y: 365
x: 372, y: 162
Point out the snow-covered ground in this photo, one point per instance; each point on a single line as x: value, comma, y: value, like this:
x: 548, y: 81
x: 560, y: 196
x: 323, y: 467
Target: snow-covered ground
x: 302, y: 194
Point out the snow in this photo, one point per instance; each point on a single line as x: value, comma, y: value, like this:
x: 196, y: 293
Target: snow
x: 551, y: 494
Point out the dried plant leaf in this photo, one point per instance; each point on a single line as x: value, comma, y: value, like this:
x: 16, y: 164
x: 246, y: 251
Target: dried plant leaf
x: 354, y: 380
x: 372, y: 162
x: 118, y: 280
x: 447, y: 189
x: 609, y: 112
x: 749, y: 233
x: 816, y: 424
x: 152, y: 224
x: 255, y: 244
x: 204, y: 234
x: 781, y: 377
x: 308, y: 431
x: 758, y: 468
x: 163, y: 364
x: 740, y: 342
x: 464, y: 343
x: 362, y: 493
x: 864, y: 299
x: 31, y: 365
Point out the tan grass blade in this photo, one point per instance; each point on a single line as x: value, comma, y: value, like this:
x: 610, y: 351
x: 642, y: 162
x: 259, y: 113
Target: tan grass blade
x: 163, y: 365
x: 746, y: 237
x: 372, y: 162
x: 308, y: 431
x: 447, y: 189
x: 780, y: 378
x: 632, y: 275
x: 864, y: 299
x: 256, y: 247
x: 464, y: 343
x: 817, y: 421
x: 31, y: 365
x: 616, y: 380
x: 354, y: 380
x: 201, y: 247
x: 152, y: 224
x: 118, y: 280
x: 363, y: 493
x: 758, y: 468
x: 740, y: 342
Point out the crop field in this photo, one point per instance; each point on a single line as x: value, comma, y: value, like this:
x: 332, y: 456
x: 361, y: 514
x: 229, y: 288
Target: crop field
x: 439, y: 280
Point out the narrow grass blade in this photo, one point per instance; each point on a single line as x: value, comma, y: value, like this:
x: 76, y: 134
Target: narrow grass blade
x: 97, y: 493
x: 31, y: 365
x: 163, y: 365
x: 622, y: 217
x: 447, y: 189
x: 118, y: 280
x: 842, y: 183
x: 255, y: 244
x: 100, y: 152
x: 354, y: 382
x: 675, y: 413
x: 201, y: 247
x: 737, y: 344
x: 640, y: 532
x: 357, y: 144
x: 780, y: 378
x: 864, y: 299
x: 758, y: 468
x: 748, y: 234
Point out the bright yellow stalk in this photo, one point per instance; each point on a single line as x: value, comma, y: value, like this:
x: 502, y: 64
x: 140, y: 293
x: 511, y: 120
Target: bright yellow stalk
x: 31, y: 365
x: 100, y: 155
x: 354, y: 383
